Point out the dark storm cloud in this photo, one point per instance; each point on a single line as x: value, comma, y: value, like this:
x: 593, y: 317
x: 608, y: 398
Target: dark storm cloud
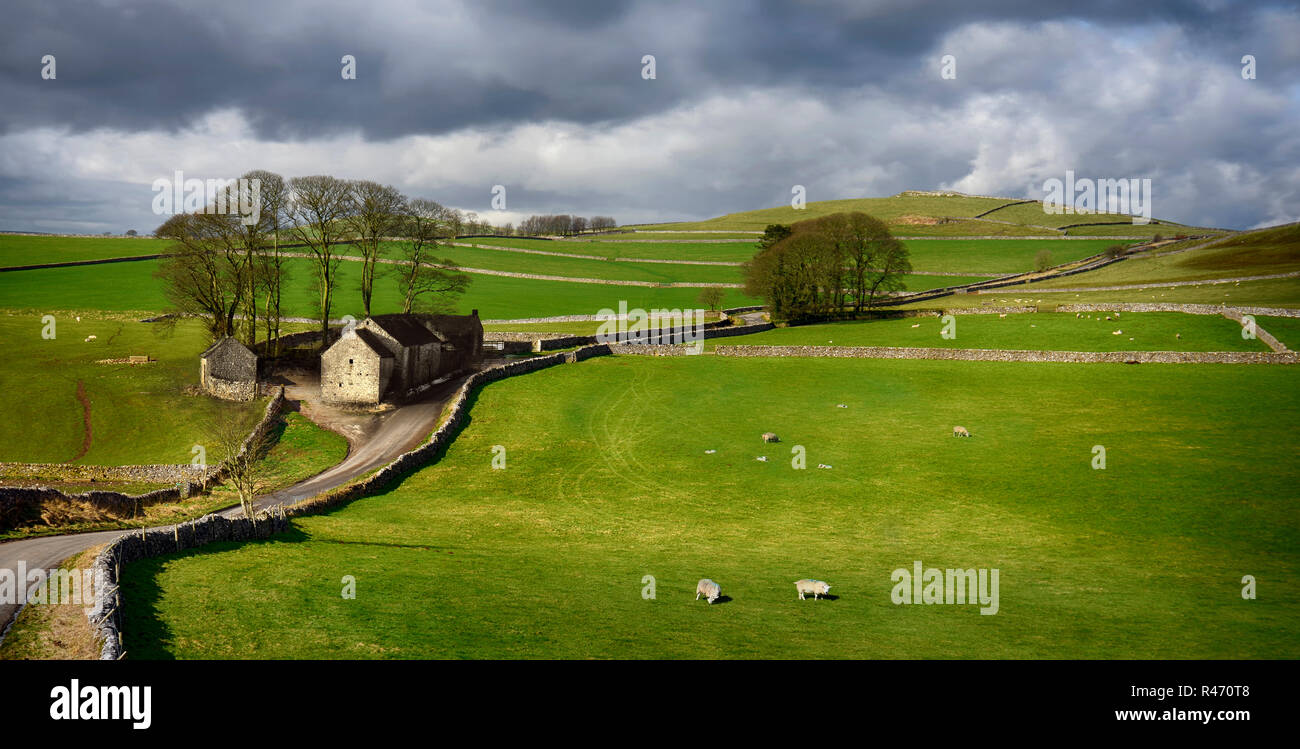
x: 750, y: 98
x: 152, y: 64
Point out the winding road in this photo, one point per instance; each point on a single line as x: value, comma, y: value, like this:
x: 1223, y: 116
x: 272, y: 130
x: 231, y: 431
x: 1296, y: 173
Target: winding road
x: 373, y: 441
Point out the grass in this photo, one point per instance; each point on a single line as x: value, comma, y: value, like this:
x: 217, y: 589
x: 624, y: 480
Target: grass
x: 608, y: 480
x: 522, y: 262
x: 138, y: 414
x: 1264, y: 252
x: 1285, y: 329
x: 886, y: 209
x: 1283, y: 292
x: 997, y: 256
x: 1148, y: 331
x: 727, y: 252
x: 20, y: 249
x: 1033, y: 214
x: 131, y: 286
x: 301, y: 450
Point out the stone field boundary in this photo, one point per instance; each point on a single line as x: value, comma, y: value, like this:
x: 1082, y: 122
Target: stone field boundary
x: 16, y: 500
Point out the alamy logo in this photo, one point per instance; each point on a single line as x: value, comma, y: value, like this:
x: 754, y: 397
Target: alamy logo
x: 56, y: 586
x: 241, y: 197
x: 934, y: 585
x: 76, y: 702
x: 658, y: 326
x: 1131, y: 197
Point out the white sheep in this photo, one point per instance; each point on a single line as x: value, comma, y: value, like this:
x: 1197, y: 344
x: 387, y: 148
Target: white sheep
x: 816, y: 587
x: 709, y: 589
x: 960, y: 432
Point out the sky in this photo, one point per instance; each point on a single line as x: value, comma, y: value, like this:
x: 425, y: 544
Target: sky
x: 553, y: 102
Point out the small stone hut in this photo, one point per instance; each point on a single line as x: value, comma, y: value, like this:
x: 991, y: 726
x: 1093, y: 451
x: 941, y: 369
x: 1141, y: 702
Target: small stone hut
x: 228, y: 369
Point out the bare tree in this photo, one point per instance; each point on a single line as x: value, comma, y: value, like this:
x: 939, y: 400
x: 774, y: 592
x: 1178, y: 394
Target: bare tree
x: 271, y: 270
x: 319, y: 207
x: 377, y: 210
x: 205, y: 270
x: 243, y: 451
x: 423, y: 284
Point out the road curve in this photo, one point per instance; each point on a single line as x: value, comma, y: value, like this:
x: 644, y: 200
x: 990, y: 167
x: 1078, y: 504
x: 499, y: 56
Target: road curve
x: 396, y: 432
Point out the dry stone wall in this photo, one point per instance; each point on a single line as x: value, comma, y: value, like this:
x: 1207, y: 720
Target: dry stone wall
x: 22, y: 504
x: 1074, y: 357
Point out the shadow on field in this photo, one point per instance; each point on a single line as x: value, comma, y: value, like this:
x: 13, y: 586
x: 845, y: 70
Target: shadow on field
x: 826, y: 597
x: 145, y: 636
x: 721, y: 599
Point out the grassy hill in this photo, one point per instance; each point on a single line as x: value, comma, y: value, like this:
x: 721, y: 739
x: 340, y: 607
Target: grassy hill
x: 608, y: 481
x: 923, y: 214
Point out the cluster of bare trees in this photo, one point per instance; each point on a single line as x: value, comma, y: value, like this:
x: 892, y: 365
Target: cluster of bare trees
x: 826, y: 267
x: 564, y: 225
x: 230, y: 269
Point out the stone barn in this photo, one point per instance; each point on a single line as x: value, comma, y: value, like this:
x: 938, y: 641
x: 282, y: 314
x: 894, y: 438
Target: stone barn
x: 392, y: 355
x: 228, y: 369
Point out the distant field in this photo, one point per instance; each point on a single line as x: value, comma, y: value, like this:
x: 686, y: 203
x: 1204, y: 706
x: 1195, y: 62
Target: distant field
x: 21, y: 249
x: 608, y: 480
x: 1274, y: 293
x: 1031, y: 214
x: 522, y: 262
x: 130, y: 286
x: 733, y: 252
x: 998, y: 256
x: 663, y: 235
x: 1151, y: 331
x: 138, y: 414
x: 1259, y: 253
x: 886, y: 209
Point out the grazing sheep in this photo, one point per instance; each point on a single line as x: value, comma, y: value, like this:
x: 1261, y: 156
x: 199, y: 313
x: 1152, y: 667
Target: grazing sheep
x: 917, y: 325
x: 770, y: 437
x: 761, y: 458
x: 709, y: 452
x: 1178, y: 336
x: 708, y: 589
x: 960, y: 432
x: 822, y: 465
x: 816, y: 587
x: 1117, y: 332
x: 91, y: 338
x: 840, y: 405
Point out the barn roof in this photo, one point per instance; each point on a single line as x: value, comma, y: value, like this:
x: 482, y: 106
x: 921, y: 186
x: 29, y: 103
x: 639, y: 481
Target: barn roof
x: 373, y: 343
x: 226, y: 343
x: 405, y: 329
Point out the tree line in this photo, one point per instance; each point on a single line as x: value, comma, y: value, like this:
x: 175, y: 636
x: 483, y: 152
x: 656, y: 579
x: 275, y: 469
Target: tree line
x: 825, y: 268
x: 563, y: 225
x: 231, y: 270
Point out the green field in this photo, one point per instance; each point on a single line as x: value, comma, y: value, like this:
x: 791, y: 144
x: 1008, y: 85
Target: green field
x: 138, y: 414
x: 131, y: 286
x: 1048, y: 331
x: 608, y: 481
x: 726, y: 252
x: 1285, y: 329
x: 1259, y: 253
x: 550, y: 265
x: 886, y: 209
x: 23, y: 249
x: 998, y: 256
x: 300, y: 450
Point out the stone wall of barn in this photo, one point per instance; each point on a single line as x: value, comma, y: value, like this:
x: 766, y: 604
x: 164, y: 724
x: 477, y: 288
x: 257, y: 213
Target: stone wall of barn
x: 350, y: 372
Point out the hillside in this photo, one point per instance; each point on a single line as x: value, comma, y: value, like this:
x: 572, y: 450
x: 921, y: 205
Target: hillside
x: 913, y: 213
